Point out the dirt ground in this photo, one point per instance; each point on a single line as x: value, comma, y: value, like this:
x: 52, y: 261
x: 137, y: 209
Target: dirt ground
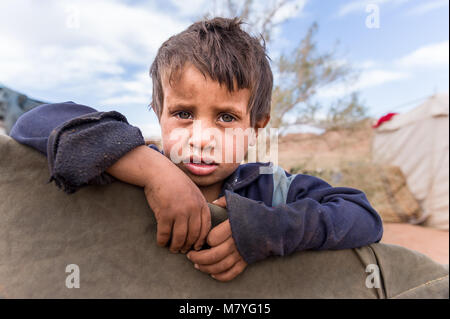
x: 335, y: 154
x: 428, y: 241
x: 328, y: 151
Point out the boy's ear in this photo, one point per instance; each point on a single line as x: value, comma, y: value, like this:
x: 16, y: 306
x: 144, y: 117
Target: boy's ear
x: 262, y: 123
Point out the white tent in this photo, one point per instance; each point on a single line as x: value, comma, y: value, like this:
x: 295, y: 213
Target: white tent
x: 418, y: 142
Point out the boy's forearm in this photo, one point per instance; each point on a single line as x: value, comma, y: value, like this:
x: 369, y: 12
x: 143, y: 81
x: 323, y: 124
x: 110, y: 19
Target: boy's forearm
x: 139, y: 166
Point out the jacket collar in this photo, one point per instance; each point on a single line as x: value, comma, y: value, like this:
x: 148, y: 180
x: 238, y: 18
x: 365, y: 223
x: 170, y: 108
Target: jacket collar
x: 244, y: 175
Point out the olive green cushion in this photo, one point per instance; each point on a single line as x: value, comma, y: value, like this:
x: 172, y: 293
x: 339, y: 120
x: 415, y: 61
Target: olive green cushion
x: 109, y: 232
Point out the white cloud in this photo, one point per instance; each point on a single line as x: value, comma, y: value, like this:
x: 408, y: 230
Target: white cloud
x: 137, y: 90
x: 367, y: 64
x: 355, y: 6
x: 376, y: 77
x: 192, y: 8
x: 84, y: 47
x: 360, y: 5
x: 152, y: 130
x: 375, y: 74
x: 429, y: 56
x: 289, y: 10
x: 125, y: 99
x: 51, y: 65
x: 368, y: 79
x: 427, y: 7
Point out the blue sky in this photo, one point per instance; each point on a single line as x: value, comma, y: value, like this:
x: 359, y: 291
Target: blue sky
x: 98, y: 52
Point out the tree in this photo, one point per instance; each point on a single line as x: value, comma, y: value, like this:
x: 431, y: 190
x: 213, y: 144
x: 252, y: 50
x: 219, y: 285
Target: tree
x: 345, y: 113
x: 303, y: 72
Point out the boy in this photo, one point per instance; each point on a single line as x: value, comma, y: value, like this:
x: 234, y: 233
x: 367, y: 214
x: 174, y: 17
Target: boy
x: 218, y: 75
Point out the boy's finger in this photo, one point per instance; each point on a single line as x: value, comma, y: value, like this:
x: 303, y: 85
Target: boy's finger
x: 221, y: 266
x: 163, y: 232
x: 219, y: 234
x: 179, y: 234
x: 222, y: 202
x: 212, y: 255
x: 231, y: 273
x: 193, y: 231
x: 205, y: 227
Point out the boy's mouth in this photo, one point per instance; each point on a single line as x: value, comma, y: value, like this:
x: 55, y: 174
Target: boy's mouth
x: 202, y: 167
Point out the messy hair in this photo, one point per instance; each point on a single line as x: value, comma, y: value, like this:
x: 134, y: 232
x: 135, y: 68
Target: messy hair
x: 220, y: 49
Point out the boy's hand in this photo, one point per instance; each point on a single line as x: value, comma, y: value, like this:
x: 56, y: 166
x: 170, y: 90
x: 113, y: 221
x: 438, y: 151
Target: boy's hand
x: 179, y: 207
x: 222, y: 260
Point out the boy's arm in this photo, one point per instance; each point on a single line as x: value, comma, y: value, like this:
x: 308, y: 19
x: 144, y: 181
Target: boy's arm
x: 80, y: 143
x: 314, y: 215
x: 84, y: 146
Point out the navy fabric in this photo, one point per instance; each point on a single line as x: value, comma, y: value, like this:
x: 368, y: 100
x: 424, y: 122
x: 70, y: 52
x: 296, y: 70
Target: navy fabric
x: 80, y: 143
x: 314, y: 214
x: 33, y: 128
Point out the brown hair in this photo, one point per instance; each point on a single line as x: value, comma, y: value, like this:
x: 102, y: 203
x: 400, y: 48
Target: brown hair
x: 220, y: 49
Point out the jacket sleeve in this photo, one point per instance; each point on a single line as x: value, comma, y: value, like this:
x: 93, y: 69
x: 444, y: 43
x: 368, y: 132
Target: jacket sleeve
x: 79, y: 142
x: 314, y: 216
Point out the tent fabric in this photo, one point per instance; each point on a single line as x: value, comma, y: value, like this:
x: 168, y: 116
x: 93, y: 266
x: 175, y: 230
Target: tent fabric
x: 418, y: 142
x: 109, y: 233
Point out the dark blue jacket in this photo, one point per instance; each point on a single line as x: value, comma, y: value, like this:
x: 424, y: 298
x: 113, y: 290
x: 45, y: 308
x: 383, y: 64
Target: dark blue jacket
x: 270, y: 214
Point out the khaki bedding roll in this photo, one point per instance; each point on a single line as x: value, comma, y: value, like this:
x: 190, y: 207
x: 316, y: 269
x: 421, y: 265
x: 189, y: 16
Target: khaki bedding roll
x: 109, y: 233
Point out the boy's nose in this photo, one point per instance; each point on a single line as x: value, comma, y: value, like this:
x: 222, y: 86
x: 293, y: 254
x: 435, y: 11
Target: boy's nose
x: 203, y: 136
x: 202, y: 141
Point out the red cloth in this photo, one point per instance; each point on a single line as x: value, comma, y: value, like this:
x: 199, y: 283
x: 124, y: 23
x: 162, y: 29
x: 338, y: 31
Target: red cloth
x: 384, y: 118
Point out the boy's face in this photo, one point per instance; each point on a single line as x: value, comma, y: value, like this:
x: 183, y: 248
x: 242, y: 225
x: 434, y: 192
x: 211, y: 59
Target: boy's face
x: 198, y: 120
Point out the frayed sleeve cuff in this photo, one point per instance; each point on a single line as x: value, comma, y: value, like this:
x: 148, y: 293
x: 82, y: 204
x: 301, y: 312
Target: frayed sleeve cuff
x: 80, y: 150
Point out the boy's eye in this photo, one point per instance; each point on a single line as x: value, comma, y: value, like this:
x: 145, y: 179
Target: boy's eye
x: 184, y: 115
x: 227, y: 118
